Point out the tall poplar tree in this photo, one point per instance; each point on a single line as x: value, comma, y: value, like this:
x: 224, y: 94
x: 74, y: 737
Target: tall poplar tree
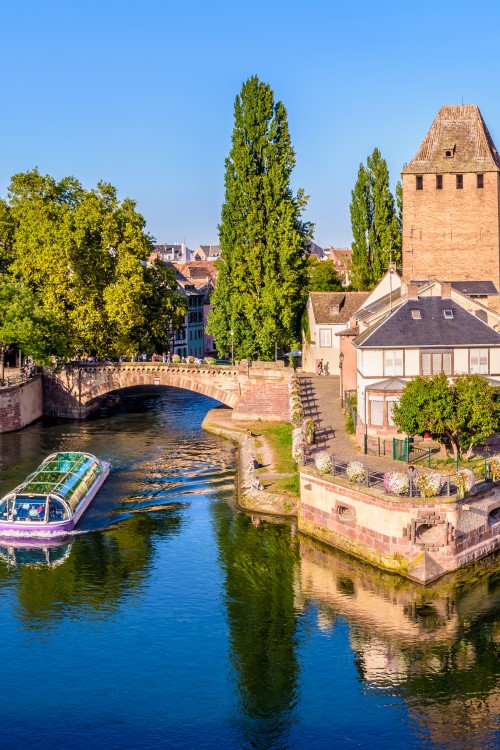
x: 374, y: 222
x: 262, y: 278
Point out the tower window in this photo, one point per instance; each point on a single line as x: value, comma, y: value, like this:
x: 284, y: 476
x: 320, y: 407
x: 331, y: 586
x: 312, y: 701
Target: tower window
x: 420, y: 182
x: 439, y: 182
x: 480, y: 180
x: 460, y: 181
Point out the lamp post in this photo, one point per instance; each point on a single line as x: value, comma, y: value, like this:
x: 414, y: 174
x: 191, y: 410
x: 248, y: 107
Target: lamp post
x: 232, y: 348
x: 341, y: 362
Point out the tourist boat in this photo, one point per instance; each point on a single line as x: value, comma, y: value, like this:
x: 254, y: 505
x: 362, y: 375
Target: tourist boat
x: 54, y: 497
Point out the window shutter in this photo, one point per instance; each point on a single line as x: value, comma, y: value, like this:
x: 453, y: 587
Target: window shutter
x: 483, y: 361
x: 474, y: 361
x: 376, y: 412
x: 436, y: 362
x: 398, y: 362
x: 447, y: 363
x: 426, y: 363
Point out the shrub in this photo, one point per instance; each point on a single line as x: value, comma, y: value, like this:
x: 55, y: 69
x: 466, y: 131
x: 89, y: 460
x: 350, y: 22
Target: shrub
x: 176, y: 358
x: 323, y: 462
x: 349, y: 425
x: 397, y: 482
x: 355, y: 471
x: 209, y: 360
x: 429, y: 484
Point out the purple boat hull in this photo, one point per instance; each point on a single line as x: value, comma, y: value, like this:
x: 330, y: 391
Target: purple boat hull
x: 42, y: 529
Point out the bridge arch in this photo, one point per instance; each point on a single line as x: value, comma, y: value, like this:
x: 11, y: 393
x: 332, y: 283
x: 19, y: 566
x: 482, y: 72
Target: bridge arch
x: 253, y: 392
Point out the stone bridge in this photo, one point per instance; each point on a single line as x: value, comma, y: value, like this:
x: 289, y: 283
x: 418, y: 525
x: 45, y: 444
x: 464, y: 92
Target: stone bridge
x: 253, y: 390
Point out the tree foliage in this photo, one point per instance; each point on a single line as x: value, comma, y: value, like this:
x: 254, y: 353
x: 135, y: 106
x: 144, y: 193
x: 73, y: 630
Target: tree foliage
x: 262, y: 274
x: 323, y: 277
x: 465, y: 412
x: 82, y: 253
x: 24, y: 322
x: 374, y: 221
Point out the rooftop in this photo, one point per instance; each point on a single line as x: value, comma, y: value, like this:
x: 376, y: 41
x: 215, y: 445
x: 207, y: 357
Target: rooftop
x: 324, y: 303
x: 429, y: 321
x: 458, y: 141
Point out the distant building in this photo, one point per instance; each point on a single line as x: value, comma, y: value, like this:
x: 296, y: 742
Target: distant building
x: 342, y: 260
x: 207, y: 252
x: 316, y: 251
x: 177, y: 253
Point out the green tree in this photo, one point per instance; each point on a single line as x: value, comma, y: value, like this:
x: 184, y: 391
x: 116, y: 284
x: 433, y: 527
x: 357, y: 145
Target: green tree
x: 465, y: 412
x: 262, y: 274
x: 24, y: 322
x: 374, y: 223
x: 323, y: 277
x: 83, y: 253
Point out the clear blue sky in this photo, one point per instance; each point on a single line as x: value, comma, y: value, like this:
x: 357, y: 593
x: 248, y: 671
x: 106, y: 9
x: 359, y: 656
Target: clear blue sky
x: 141, y: 94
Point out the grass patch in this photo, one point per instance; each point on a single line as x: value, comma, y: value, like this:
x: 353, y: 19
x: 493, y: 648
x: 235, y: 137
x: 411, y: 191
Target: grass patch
x: 279, y: 437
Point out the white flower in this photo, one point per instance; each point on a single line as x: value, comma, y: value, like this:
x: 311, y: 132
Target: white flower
x: 355, y: 471
x: 323, y: 462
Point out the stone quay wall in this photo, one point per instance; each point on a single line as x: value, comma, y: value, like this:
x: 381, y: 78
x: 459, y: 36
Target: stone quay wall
x: 21, y: 405
x: 420, y: 539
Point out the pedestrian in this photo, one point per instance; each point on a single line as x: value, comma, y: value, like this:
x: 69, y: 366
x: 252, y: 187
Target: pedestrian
x: 320, y: 367
x: 164, y: 357
x: 412, y: 475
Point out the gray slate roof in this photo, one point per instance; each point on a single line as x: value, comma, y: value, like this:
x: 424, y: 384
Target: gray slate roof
x: 434, y: 330
x: 475, y: 288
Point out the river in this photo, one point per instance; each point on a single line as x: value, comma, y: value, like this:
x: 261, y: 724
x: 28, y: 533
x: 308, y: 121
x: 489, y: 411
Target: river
x: 171, y: 620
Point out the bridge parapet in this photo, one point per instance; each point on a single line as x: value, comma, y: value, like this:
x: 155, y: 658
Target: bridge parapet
x: 254, y: 391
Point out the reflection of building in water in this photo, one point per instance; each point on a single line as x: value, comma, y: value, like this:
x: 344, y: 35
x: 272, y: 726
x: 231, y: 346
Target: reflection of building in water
x: 438, y: 646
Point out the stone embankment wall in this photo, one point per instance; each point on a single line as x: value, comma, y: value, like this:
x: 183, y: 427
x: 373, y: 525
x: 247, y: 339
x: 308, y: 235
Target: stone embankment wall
x: 421, y: 539
x: 21, y: 404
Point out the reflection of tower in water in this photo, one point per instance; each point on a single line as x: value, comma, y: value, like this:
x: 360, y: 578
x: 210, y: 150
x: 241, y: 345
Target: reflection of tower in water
x: 435, y: 647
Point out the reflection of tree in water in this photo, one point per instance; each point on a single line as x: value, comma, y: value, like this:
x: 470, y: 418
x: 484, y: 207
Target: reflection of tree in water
x: 258, y: 562
x: 101, y: 569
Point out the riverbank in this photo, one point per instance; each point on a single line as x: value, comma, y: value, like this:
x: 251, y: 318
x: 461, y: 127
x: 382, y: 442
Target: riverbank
x: 268, y: 444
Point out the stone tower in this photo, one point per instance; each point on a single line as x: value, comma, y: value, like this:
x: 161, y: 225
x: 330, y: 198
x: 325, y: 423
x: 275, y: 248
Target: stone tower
x: 451, y: 201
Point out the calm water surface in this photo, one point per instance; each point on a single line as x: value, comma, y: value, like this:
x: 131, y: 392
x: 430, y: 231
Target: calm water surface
x: 170, y: 620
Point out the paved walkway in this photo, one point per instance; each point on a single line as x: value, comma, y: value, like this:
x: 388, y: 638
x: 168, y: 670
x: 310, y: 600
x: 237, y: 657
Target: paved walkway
x: 321, y: 401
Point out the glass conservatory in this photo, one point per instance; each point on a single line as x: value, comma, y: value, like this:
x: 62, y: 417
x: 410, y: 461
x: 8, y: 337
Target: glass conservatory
x: 55, y: 492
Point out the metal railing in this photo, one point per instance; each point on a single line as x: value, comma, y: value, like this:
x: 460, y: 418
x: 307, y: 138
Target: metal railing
x: 375, y: 479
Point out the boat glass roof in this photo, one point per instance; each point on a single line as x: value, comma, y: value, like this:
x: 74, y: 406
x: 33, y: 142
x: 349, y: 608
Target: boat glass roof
x: 67, y: 475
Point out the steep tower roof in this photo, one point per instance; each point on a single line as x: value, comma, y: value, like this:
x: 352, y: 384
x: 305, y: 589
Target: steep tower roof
x: 458, y: 141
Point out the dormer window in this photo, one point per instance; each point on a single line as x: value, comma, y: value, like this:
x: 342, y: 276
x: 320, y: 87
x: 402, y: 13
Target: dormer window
x: 449, y: 153
x: 448, y: 314
x: 416, y: 315
x: 335, y: 309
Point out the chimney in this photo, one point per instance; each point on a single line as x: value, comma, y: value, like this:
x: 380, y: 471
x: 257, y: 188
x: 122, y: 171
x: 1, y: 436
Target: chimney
x: 412, y: 291
x: 446, y: 289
